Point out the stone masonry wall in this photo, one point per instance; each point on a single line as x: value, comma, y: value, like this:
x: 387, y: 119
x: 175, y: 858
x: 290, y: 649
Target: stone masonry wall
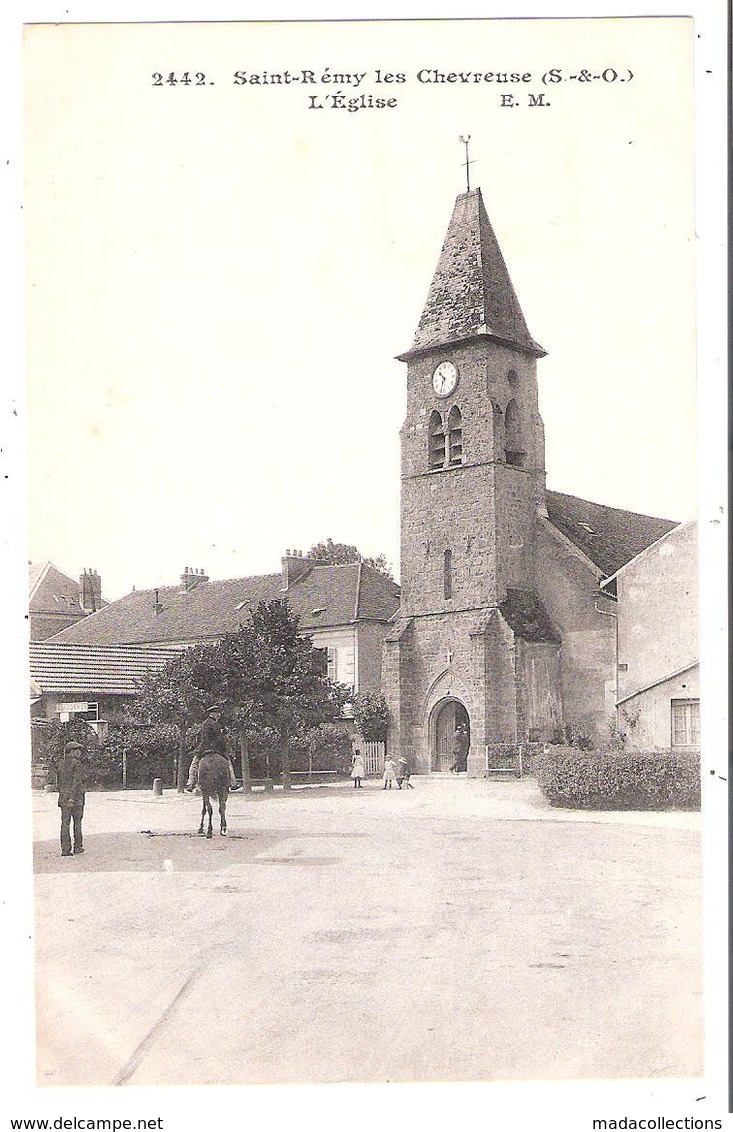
x: 568, y: 588
x: 482, y: 511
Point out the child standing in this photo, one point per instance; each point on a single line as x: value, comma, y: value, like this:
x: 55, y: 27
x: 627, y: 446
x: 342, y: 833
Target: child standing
x: 357, y: 768
x: 390, y: 774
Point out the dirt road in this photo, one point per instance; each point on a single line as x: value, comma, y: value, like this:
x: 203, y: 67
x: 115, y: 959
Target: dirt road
x: 459, y: 931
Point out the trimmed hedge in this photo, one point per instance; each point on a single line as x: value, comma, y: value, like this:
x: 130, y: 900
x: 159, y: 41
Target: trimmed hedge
x: 619, y: 780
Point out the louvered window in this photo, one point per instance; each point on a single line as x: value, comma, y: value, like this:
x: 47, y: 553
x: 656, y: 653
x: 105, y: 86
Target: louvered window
x: 437, y: 441
x: 514, y: 451
x: 455, y: 436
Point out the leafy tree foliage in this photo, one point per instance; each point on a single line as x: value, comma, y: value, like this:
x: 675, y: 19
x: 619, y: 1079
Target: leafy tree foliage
x: 339, y: 553
x: 371, y: 715
x: 266, y: 677
x: 102, y: 766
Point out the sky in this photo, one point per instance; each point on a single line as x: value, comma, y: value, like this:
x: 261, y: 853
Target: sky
x: 219, y: 277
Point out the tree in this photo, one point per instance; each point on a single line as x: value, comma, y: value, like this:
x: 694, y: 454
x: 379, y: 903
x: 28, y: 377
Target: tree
x: 274, y: 676
x: 371, y: 715
x: 339, y: 553
x: 266, y: 676
x: 174, y: 699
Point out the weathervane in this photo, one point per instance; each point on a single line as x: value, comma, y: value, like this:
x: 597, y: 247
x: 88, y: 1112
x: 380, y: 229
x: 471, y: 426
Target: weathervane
x: 465, y: 141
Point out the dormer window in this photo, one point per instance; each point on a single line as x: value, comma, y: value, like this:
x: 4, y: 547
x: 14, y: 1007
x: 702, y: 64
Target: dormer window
x: 455, y: 436
x: 436, y: 441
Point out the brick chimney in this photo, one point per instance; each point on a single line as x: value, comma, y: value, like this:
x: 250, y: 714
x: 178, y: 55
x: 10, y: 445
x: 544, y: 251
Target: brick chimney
x: 90, y: 591
x: 191, y: 577
x: 295, y: 566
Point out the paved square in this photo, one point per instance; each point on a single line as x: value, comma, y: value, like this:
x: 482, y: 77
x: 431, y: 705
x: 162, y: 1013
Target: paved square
x: 459, y: 931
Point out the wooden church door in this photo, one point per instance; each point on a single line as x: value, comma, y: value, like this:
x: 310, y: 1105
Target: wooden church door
x: 446, y: 722
x: 445, y: 729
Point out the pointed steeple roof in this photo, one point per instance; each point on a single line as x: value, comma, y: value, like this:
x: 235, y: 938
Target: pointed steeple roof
x: 471, y: 294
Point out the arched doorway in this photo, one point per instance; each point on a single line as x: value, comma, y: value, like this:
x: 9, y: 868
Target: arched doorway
x: 447, y: 717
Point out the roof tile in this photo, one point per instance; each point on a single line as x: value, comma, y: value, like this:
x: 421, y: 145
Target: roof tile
x: 211, y: 609
x: 608, y: 536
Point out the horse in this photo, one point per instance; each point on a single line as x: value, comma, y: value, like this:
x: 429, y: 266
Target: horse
x: 213, y: 782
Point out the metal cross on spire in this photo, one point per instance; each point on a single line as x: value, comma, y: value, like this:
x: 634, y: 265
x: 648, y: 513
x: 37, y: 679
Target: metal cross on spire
x: 467, y: 163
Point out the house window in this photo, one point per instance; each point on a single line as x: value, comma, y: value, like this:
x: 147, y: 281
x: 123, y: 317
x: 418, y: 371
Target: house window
x: 332, y: 664
x: 447, y: 574
x: 455, y: 436
x: 514, y: 452
x: 685, y: 723
x: 320, y: 661
x: 436, y: 441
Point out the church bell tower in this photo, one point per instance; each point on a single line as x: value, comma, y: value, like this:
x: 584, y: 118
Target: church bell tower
x: 472, y: 484
x: 473, y: 461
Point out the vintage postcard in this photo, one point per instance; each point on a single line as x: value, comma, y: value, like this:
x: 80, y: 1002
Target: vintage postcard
x: 364, y: 486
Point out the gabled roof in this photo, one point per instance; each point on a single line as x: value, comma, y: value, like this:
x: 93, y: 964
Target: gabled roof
x: 471, y: 293
x: 326, y: 596
x: 91, y: 669
x: 607, y: 536
x: 674, y: 533
x: 50, y: 591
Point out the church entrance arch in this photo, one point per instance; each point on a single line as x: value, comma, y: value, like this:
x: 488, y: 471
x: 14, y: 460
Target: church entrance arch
x: 445, y: 718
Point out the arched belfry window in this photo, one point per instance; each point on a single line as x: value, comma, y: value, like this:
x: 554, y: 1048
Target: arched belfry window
x: 514, y: 450
x: 447, y: 574
x: 436, y: 441
x: 455, y: 436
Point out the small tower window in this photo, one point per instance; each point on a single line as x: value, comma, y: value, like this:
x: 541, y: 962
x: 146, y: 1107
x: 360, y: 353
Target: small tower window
x: 436, y: 441
x: 514, y: 452
x: 448, y: 574
x: 455, y: 436
x: 497, y: 418
x: 513, y: 378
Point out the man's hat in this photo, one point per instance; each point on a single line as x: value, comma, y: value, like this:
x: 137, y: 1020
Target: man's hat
x: 72, y: 747
x: 214, y: 707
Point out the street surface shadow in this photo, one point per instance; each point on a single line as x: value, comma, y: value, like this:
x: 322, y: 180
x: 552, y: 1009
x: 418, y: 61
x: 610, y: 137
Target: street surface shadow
x: 178, y: 852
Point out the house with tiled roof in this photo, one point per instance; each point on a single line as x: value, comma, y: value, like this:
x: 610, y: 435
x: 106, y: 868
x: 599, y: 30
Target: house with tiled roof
x: 345, y: 610
x: 504, y: 626
x: 83, y: 681
x: 55, y: 600
x: 657, y: 690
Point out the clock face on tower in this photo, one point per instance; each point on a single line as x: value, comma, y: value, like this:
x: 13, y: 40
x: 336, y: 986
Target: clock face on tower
x: 445, y: 378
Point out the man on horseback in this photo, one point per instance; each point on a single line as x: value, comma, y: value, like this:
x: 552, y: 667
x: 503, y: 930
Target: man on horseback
x: 212, y: 741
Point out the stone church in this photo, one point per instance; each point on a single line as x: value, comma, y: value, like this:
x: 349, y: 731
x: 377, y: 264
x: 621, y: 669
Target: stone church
x: 502, y: 625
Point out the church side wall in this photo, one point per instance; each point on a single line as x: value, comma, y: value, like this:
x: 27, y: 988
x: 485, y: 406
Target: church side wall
x: 370, y: 637
x: 568, y: 589
x: 539, y: 681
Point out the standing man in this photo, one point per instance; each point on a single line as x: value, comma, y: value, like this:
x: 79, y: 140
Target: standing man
x: 72, y: 792
x: 459, y: 749
x: 212, y: 741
